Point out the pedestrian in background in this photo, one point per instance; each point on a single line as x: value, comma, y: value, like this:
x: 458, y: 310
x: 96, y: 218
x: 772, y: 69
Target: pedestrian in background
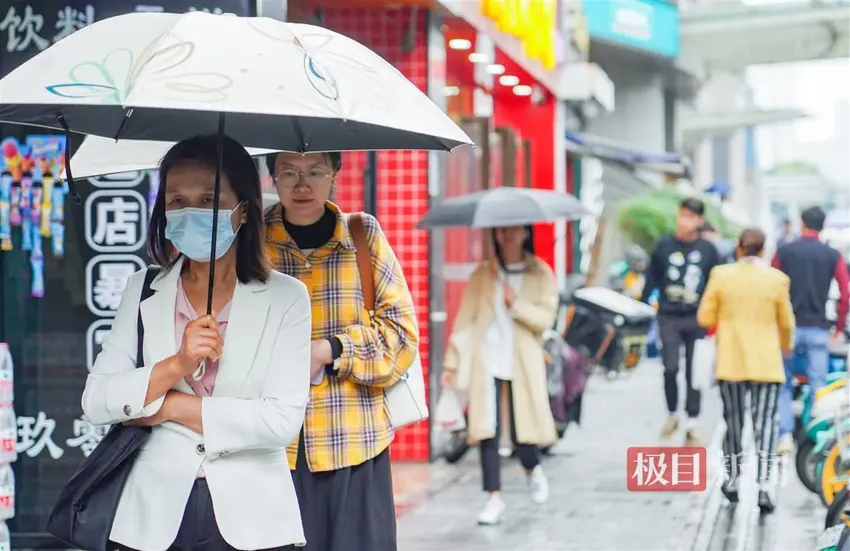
x: 342, y: 458
x: 787, y: 236
x: 748, y: 302
x: 812, y: 266
x: 679, y: 267
x: 509, y: 303
x: 725, y: 247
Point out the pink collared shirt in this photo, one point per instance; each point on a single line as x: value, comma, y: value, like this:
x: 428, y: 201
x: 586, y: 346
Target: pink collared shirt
x: 183, y: 314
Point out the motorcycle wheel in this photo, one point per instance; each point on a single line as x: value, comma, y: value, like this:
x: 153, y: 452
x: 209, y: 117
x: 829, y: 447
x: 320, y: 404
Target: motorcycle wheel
x: 806, y: 463
x: 456, y: 447
x: 837, y: 511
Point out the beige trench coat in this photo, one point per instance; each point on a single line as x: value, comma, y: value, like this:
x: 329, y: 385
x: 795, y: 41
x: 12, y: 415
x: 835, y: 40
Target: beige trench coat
x: 534, y: 311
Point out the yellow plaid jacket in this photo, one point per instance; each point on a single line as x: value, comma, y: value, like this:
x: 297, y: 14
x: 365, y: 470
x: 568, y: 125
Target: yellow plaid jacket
x: 347, y: 420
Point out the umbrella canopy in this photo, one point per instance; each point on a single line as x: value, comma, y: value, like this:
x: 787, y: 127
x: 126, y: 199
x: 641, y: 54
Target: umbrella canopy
x: 98, y: 156
x: 503, y: 206
x: 166, y: 77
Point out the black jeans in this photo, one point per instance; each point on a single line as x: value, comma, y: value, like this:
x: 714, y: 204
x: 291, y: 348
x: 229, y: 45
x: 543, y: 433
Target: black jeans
x: 677, y: 332
x: 198, y: 530
x: 489, y: 449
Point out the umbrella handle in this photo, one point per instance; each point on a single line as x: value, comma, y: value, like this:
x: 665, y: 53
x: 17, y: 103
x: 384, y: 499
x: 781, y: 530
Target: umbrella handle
x: 198, y: 374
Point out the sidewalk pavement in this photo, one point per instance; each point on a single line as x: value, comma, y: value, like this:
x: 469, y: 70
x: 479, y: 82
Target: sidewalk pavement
x: 589, y: 507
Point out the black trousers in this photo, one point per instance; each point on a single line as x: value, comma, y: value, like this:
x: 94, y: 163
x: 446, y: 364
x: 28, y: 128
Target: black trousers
x: 764, y: 401
x: 677, y: 332
x: 198, y: 530
x: 528, y: 455
x: 348, y: 509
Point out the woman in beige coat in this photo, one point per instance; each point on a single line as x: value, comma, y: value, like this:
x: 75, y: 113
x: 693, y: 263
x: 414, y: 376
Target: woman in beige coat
x: 496, y: 355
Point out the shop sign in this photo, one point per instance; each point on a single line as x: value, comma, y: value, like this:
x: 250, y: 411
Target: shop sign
x: 533, y: 22
x: 115, y: 225
x: 591, y: 197
x: 650, y: 25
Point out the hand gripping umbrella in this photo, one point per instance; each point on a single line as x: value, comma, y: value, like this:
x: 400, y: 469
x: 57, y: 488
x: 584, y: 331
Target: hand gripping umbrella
x: 279, y: 86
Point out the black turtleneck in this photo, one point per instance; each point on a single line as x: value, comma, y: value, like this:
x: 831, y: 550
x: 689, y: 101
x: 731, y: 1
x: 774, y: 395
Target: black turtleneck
x: 312, y: 236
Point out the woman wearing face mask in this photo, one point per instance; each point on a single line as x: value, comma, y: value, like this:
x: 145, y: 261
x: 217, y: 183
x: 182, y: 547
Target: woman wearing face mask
x: 223, y: 393
x: 509, y: 303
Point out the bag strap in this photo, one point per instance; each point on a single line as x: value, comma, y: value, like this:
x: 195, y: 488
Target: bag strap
x: 147, y: 292
x: 364, y: 259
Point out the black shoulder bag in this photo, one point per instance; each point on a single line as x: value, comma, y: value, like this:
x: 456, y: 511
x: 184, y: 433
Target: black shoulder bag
x: 83, y: 515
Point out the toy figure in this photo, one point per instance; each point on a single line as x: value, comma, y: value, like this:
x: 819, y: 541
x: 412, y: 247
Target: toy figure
x: 5, y: 211
x: 14, y: 165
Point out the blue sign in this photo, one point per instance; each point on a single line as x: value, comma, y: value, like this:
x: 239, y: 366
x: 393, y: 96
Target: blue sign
x: 650, y: 25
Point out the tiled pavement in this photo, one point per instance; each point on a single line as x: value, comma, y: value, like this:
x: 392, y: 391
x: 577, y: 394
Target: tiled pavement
x: 589, y: 508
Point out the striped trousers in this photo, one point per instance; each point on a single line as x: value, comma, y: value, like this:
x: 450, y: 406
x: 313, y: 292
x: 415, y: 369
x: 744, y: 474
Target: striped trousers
x: 764, y: 401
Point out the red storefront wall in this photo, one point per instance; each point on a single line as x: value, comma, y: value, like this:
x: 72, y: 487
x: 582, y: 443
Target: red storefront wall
x: 536, y: 123
x: 402, y: 176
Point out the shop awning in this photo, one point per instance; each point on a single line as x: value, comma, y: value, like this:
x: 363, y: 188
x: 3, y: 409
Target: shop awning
x: 611, y: 151
x: 706, y: 124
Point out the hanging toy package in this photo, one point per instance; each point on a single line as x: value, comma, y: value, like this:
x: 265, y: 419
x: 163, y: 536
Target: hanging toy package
x: 37, y: 256
x: 25, y: 202
x: 5, y: 210
x: 57, y: 219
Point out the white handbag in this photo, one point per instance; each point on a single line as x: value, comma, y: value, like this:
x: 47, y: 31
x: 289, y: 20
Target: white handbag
x: 406, y: 400
x: 704, y: 364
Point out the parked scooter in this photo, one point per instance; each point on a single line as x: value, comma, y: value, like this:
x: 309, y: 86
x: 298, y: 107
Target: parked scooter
x: 816, y: 419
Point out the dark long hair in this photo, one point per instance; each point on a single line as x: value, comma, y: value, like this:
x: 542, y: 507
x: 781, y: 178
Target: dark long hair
x: 527, y: 245
x: 251, y: 261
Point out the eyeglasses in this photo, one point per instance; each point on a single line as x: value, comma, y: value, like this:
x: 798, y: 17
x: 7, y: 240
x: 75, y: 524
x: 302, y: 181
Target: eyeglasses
x: 314, y: 177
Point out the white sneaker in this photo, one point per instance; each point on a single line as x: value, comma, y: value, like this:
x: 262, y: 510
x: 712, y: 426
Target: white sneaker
x: 539, y: 485
x: 492, y: 512
x: 785, y: 445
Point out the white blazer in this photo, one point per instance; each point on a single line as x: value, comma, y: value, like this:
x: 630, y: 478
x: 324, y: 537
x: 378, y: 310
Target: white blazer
x: 256, y: 409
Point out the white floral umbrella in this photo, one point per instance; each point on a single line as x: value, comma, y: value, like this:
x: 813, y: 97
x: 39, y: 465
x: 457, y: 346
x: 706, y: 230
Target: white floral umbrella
x: 284, y: 86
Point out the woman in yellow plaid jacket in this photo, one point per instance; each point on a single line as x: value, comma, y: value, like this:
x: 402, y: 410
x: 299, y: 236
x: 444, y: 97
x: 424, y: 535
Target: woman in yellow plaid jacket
x: 341, y: 459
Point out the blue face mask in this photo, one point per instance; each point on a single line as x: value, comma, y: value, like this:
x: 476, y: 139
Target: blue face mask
x: 190, y: 231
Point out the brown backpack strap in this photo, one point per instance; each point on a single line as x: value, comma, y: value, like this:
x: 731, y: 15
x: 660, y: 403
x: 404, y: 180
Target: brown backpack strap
x: 364, y: 259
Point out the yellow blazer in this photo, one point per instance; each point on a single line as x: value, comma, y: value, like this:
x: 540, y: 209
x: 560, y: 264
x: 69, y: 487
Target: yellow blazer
x: 749, y: 304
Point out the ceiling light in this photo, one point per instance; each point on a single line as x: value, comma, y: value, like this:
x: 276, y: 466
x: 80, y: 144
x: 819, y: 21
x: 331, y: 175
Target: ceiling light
x: 476, y: 57
x: 496, y: 69
x: 460, y: 44
x: 451, y: 91
x: 508, y: 80
x: 522, y: 90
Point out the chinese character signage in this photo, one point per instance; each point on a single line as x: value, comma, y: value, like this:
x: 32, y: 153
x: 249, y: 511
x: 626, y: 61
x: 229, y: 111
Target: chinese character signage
x: 27, y: 28
x: 78, y: 257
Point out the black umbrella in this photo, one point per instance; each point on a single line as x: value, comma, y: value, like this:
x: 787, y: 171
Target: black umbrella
x: 502, y: 207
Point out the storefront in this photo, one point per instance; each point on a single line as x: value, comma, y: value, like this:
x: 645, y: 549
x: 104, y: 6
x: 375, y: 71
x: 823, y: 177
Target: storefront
x: 63, y: 267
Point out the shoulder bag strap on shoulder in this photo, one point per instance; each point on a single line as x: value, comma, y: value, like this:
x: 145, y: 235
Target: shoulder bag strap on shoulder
x: 147, y: 292
x: 364, y: 259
